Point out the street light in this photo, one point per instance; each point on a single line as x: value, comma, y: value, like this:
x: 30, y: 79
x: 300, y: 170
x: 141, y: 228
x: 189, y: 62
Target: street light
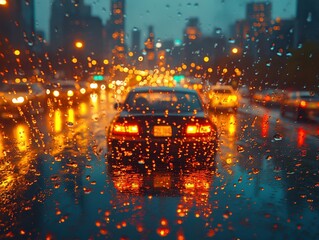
x: 79, y: 44
x: 3, y: 2
x: 235, y: 50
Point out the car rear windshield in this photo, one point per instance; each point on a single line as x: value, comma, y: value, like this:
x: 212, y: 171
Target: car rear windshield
x: 222, y: 91
x: 172, y: 102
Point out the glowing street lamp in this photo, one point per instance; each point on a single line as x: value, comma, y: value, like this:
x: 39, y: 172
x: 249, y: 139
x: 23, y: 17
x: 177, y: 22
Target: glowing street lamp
x: 3, y: 2
x: 79, y: 44
x: 235, y: 50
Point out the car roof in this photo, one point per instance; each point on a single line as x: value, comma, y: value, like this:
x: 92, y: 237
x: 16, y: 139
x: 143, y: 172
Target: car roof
x: 221, y: 87
x: 162, y: 89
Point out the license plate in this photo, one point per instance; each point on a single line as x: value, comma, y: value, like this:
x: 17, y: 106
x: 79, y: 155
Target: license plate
x: 162, y: 131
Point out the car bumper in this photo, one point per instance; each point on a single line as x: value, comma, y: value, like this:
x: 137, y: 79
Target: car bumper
x: 173, y: 150
x: 224, y: 105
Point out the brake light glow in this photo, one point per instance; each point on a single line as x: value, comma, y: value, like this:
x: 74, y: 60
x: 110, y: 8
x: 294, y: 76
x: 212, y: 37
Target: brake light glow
x: 267, y: 98
x: 122, y: 128
x: 303, y: 104
x: 232, y: 98
x: 198, y: 129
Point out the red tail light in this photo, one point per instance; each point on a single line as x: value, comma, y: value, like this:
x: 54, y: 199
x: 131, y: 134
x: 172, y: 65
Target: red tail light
x: 125, y: 129
x: 195, y: 129
x: 267, y: 98
x: 303, y: 104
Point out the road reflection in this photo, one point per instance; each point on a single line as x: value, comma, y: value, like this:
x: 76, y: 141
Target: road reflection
x: 190, y: 188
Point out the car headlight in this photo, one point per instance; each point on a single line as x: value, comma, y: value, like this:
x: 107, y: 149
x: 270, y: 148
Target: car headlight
x: 93, y: 85
x: 82, y: 90
x: 56, y: 93
x: 70, y: 93
x: 18, y: 100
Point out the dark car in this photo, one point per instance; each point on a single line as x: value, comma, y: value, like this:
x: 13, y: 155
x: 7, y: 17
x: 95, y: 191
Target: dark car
x: 300, y: 105
x: 162, y: 125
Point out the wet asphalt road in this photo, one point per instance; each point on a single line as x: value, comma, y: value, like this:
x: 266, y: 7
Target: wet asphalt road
x: 56, y: 182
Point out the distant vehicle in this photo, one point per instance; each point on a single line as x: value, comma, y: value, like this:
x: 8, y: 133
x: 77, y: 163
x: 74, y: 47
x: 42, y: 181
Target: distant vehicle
x: 167, y: 125
x: 64, y: 91
x: 300, y: 105
x: 223, y: 97
x: 269, y: 97
x: 20, y: 99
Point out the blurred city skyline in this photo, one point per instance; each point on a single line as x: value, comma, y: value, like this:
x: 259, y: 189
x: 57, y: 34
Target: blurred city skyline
x: 169, y: 18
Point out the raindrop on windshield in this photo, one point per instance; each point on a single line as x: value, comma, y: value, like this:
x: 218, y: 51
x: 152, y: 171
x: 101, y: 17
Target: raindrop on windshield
x: 277, y: 137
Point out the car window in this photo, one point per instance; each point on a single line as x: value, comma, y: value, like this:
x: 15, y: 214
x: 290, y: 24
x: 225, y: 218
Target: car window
x: 163, y: 101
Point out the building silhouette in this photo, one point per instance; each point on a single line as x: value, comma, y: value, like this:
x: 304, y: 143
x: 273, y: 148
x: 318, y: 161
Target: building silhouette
x: 116, y: 30
x: 307, y: 21
x: 18, y: 23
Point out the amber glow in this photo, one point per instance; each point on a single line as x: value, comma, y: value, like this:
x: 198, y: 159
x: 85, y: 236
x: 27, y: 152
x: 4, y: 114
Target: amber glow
x: 79, y: 44
x: 235, y: 50
x: 125, y: 128
x: 3, y: 2
x: 21, y: 135
x: 57, y: 121
x: 232, y: 125
x: 17, y: 52
x: 194, y: 129
x: 303, y: 104
x: 71, y: 115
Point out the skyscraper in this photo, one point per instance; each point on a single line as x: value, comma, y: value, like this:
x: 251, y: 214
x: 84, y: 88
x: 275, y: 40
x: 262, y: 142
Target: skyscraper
x: 117, y: 30
x: 17, y: 22
x: 258, y: 16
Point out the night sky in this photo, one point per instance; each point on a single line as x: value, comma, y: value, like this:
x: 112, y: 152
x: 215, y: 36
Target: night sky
x: 169, y: 17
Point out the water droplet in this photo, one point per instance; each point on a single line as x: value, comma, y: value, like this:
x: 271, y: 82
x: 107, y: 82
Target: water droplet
x: 240, y: 148
x: 70, y: 124
x: 309, y: 17
x: 87, y: 190
x: 268, y: 157
x: 218, y: 30
x: 231, y: 40
x: 277, y: 137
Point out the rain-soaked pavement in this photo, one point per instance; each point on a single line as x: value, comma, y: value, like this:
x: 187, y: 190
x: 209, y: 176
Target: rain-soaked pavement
x: 56, y: 182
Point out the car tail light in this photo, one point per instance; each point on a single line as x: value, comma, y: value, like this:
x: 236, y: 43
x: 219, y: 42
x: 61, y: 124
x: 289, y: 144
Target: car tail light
x: 198, y: 129
x: 267, y: 98
x: 232, y: 98
x: 125, y: 128
x: 303, y: 104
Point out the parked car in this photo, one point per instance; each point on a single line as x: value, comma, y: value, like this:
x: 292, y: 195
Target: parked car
x: 223, y: 97
x: 269, y: 97
x: 20, y: 99
x: 162, y: 124
x: 300, y: 105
